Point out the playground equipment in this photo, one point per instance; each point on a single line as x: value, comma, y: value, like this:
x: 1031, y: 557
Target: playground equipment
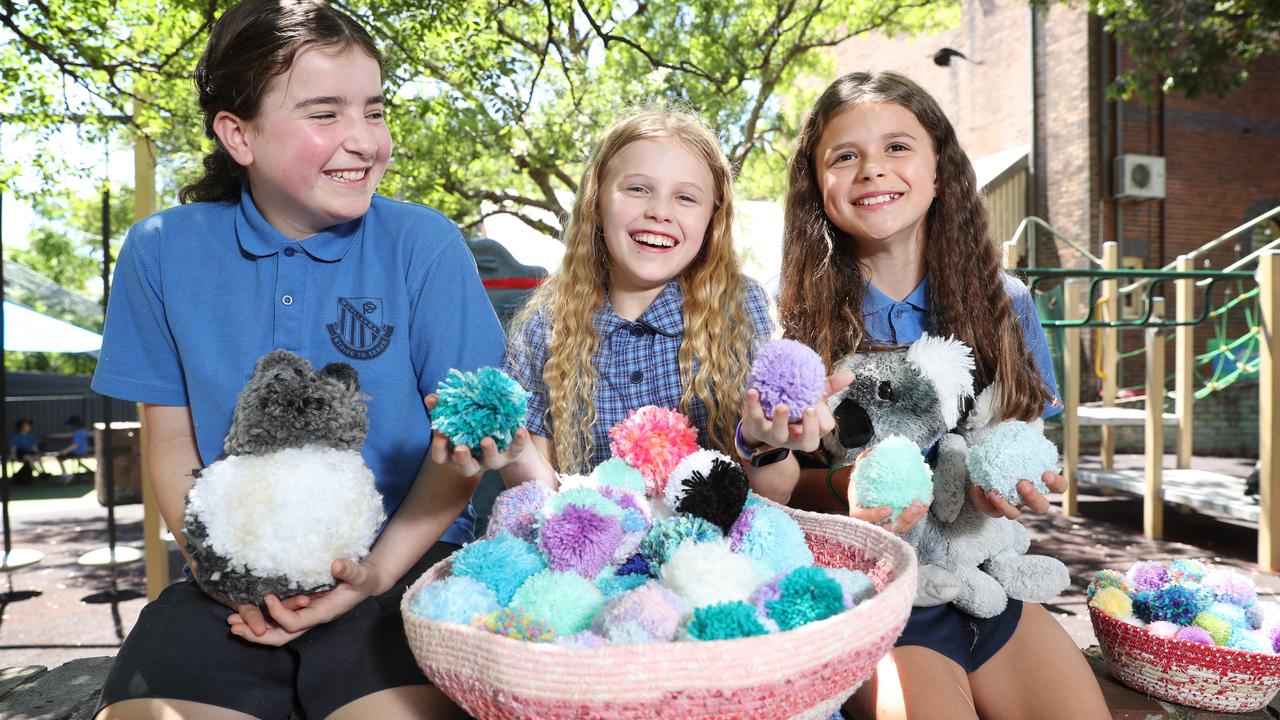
x: 1091, y: 298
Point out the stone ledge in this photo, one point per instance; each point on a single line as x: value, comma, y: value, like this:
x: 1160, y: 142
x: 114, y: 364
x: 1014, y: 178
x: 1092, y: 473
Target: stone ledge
x: 67, y: 692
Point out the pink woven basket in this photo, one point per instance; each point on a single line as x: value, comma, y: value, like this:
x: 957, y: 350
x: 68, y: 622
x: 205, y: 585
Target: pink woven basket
x: 805, y: 673
x: 1203, y: 676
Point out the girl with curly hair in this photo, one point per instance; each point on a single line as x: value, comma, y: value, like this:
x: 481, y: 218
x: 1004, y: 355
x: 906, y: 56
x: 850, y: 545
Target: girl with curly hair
x: 886, y: 238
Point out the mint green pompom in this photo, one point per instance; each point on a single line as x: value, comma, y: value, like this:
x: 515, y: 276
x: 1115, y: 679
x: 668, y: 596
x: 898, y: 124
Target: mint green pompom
x: 725, y: 621
x: 892, y: 475
x: 617, y: 473
x: 584, y: 497
x: 566, y: 601
x: 1011, y: 452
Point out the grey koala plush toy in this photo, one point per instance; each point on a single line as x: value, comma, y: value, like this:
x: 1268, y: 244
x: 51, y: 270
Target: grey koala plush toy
x: 966, y: 557
x: 291, y: 492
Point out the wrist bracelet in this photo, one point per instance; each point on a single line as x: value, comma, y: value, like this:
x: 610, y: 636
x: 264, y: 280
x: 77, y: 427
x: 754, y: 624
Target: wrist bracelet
x: 740, y: 444
x: 843, y: 499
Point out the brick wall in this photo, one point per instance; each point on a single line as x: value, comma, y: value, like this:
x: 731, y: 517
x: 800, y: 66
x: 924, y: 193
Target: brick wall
x: 986, y: 99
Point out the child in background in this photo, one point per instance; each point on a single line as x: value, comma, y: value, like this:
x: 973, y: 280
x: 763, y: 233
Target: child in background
x: 283, y: 244
x: 24, y: 447
x: 649, y: 306
x: 886, y: 237
x: 77, y: 448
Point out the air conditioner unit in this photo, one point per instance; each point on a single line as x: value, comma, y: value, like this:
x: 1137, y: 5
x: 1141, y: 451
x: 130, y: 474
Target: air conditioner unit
x: 1139, y: 176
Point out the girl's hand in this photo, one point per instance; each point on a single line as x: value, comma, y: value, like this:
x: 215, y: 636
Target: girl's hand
x: 777, y: 431
x: 906, y: 519
x: 461, y: 455
x: 251, y: 614
x: 287, y: 620
x: 990, y: 502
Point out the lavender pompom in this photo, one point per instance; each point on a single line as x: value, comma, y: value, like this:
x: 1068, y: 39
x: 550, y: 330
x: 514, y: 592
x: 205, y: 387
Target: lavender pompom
x: 473, y: 406
x: 1145, y: 575
x: 580, y: 539
x: 788, y: 373
x: 1195, y: 635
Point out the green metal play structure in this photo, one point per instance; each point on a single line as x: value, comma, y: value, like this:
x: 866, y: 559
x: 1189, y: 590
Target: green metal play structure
x: 1095, y: 299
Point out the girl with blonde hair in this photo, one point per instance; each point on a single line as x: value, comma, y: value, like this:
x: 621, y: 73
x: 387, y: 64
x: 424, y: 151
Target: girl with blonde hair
x: 649, y: 306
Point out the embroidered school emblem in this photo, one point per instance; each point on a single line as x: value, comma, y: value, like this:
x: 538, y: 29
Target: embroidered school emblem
x: 359, y: 333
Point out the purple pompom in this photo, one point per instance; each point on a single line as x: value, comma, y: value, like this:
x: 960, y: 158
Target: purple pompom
x: 1144, y: 575
x: 1195, y: 634
x: 580, y: 540
x: 1231, y: 586
x: 788, y: 372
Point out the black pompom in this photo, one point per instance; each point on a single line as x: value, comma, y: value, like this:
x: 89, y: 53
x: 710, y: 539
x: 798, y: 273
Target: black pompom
x: 717, y: 497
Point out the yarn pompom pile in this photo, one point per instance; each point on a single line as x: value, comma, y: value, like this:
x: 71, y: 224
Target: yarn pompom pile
x: 600, y: 562
x: 1188, y: 632
x: 661, y: 547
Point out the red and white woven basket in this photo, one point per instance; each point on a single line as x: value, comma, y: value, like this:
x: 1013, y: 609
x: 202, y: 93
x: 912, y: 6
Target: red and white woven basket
x: 1203, y: 676
x: 804, y: 673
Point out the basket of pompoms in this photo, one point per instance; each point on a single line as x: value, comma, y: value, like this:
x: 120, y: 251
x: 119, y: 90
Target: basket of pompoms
x: 659, y: 586
x: 1188, y: 633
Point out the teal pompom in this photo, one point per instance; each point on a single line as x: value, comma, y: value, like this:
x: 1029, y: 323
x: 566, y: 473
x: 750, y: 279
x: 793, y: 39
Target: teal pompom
x: 473, y: 406
x: 668, y: 534
x: 455, y: 600
x: 806, y: 595
x: 502, y: 562
x: 725, y: 621
x: 1011, y: 452
x: 1186, y: 569
x: 564, y: 600
x: 616, y: 472
x: 893, y: 474
x: 1249, y: 640
x: 613, y: 585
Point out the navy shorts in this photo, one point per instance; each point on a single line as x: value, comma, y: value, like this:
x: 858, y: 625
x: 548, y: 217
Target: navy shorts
x: 181, y: 649
x: 962, y: 638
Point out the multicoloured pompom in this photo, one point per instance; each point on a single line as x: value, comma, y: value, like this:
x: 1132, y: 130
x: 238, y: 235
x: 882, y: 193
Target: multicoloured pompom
x: 474, y: 406
x: 653, y: 440
x: 515, y: 624
x: 709, y: 485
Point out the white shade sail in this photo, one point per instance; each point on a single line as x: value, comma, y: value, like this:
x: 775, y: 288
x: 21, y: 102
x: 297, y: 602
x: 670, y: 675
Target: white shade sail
x: 26, y: 330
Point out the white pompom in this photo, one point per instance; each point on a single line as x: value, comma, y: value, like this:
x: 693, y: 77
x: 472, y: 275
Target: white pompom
x: 289, y: 512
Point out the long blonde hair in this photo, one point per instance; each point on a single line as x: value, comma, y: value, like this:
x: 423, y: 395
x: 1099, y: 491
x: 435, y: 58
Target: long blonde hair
x: 718, y: 335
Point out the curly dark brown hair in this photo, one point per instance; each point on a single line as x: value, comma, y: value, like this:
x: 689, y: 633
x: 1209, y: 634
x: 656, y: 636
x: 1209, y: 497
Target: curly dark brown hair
x: 822, y: 280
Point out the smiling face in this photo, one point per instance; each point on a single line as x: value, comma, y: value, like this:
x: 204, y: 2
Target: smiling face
x: 319, y: 144
x: 876, y: 169
x: 656, y: 200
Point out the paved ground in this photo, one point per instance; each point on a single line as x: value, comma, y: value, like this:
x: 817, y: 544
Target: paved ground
x: 56, y: 610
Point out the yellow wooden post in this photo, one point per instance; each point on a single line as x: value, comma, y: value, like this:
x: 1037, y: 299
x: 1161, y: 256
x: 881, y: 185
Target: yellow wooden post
x: 1269, y: 412
x: 1110, y: 349
x: 1009, y: 255
x: 1185, y: 362
x: 155, y: 549
x: 1152, y: 504
x: 1072, y: 309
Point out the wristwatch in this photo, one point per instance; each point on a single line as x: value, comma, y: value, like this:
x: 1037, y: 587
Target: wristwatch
x: 759, y: 456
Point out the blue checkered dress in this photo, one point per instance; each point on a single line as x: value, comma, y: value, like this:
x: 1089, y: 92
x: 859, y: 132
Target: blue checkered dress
x: 635, y: 366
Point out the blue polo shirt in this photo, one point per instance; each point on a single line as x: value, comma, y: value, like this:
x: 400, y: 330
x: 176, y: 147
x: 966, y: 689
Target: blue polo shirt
x: 79, y: 440
x: 890, y: 322
x: 202, y: 291
x: 637, y: 363
x: 24, y: 442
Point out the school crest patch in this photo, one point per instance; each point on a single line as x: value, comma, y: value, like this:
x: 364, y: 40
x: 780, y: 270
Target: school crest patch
x: 359, y: 332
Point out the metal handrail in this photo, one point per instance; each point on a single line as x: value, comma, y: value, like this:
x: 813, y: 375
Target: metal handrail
x: 1031, y: 221
x: 1273, y: 212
